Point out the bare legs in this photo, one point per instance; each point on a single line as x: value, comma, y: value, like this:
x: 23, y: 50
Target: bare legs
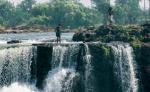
x: 58, y: 39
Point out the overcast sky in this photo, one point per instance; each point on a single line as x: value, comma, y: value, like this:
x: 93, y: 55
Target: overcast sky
x: 85, y: 2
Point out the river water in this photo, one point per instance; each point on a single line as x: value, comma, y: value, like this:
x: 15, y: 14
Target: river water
x: 33, y: 36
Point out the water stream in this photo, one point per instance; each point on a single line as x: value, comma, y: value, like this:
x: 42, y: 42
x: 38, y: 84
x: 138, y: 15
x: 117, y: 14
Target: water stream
x: 125, y: 67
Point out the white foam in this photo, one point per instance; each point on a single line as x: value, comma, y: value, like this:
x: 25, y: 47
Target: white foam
x: 16, y: 87
x: 56, y: 78
x: 3, y: 42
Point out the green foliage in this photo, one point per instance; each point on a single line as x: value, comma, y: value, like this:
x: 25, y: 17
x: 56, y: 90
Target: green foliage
x: 102, y: 6
x: 119, y: 33
x: 126, y: 11
x: 69, y: 13
x: 105, y: 50
x: 40, y: 20
x: 6, y: 12
x: 20, y: 17
x: 2, y: 21
x: 26, y: 5
x: 136, y: 44
x: 41, y: 10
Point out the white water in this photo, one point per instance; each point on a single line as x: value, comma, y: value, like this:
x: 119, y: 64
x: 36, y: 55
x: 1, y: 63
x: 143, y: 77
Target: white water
x: 16, y: 87
x: 88, y: 69
x: 125, y: 67
x: 60, y: 78
x: 15, y: 64
x: 58, y: 56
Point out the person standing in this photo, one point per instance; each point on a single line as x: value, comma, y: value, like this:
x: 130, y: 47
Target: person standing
x: 110, y: 17
x: 58, y: 33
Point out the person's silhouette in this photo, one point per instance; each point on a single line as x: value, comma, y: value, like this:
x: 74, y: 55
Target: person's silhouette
x: 58, y: 33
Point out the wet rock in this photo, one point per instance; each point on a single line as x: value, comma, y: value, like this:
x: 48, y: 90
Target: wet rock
x: 13, y: 42
x: 84, y: 36
x: 146, y: 32
x: 44, y: 56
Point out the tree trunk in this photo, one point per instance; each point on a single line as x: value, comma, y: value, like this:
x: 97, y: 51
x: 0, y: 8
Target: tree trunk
x: 149, y: 9
x: 144, y: 9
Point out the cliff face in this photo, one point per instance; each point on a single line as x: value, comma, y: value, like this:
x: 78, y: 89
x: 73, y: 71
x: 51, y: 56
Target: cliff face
x: 102, y: 71
x: 145, y: 65
x: 137, y: 36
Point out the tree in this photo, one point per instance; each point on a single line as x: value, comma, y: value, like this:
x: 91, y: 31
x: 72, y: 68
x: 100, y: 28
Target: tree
x: 7, y: 10
x: 127, y: 11
x: 20, y: 17
x: 103, y: 6
x: 70, y: 13
x: 26, y: 5
x: 67, y: 12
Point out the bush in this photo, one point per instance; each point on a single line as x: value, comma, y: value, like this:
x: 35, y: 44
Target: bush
x: 40, y: 20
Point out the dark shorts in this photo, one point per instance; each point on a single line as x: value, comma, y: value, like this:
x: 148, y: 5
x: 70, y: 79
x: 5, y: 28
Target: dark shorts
x: 57, y: 34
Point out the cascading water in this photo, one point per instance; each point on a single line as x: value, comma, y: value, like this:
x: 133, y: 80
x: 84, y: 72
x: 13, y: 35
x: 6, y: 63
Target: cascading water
x: 88, y: 69
x: 15, y: 64
x: 124, y: 66
x: 15, y: 69
x: 58, y: 56
x: 60, y: 78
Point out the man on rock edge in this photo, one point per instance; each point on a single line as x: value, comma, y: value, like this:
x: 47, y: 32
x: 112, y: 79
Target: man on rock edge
x: 58, y: 33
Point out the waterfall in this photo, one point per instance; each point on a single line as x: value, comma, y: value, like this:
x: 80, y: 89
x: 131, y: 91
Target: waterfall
x: 58, y: 56
x: 125, y: 67
x: 88, y: 69
x: 67, y: 68
x: 60, y: 78
x: 15, y: 64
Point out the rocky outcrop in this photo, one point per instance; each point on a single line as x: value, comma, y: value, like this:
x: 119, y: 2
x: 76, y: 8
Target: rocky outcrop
x: 146, y: 32
x: 13, y: 42
x: 84, y: 36
x: 107, y: 33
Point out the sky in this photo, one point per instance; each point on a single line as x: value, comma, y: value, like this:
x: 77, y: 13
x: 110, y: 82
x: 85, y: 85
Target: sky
x: 85, y: 2
x: 146, y: 3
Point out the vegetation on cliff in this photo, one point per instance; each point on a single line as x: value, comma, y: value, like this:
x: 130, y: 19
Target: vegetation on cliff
x: 133, y: 34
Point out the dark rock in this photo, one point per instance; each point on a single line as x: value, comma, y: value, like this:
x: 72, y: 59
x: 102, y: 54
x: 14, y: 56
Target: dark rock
x: 145, y: 65
x: 102, y: 71
x: 44, y: 56
x: 13, y: 42
x: 78, y: 37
